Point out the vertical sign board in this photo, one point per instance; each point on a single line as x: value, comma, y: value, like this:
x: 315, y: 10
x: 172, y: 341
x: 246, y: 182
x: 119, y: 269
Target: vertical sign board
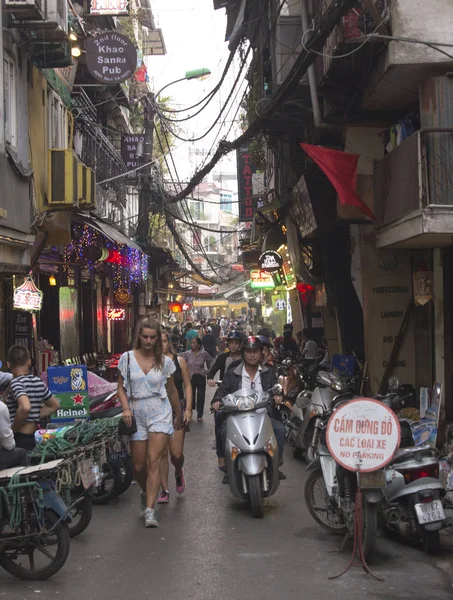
x: 387, y: 291
x: 246, y: 170
x: 133, y: 150
x: 70, y: 386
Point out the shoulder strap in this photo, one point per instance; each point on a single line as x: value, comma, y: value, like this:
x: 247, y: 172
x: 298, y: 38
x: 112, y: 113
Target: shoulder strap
x: 129, y: 373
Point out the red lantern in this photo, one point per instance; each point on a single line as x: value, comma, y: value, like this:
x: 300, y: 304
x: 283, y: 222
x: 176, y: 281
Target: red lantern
x: 305, y: 291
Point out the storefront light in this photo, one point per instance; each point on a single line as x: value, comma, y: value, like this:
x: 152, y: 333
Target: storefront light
x: 76, y: 51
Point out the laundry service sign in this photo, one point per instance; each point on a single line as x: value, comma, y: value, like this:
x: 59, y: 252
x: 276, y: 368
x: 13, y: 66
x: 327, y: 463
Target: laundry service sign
x: 111, y: 57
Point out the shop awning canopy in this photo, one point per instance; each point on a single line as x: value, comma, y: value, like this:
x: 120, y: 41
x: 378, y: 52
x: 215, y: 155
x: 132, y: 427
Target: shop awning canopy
x: 108, y: 230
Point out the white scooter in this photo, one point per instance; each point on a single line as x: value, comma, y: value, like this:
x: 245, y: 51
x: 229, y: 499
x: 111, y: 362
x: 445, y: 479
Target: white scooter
x: 251, y: 451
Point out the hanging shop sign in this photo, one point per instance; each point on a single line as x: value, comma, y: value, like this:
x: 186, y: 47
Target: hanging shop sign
x: 363, y: 435
x: 270, y: 261
x: 122, y: 295
x: 280, y: 304
x: 116, y: 314
x: 133, y: 150
x: 175, y: 307
x: 111, y: 57
x: 109, y: 7
x: 186, y: 306
x: 246, y: 170
x: 261, y: 279
x: 27, y: 296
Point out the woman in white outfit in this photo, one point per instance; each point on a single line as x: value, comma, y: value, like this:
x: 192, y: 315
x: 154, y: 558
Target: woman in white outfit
x: 146, y: 390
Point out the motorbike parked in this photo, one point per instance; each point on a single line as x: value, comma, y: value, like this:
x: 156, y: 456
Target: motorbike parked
x: 413, y: 502
x: 34, y: 537
x: 117, y: 472
x: 308, y: 411
x: 330, y: 492
x: 251, y: 452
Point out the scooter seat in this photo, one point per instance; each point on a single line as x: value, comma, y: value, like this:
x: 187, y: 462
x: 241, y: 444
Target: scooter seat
x: 404, y: 453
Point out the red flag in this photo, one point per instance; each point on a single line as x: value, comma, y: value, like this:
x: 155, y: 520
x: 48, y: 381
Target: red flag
x: 341, y: 170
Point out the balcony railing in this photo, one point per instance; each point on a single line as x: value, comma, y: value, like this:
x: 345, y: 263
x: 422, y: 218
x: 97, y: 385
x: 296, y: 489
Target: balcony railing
x: 97, y: 151
x: 413, y: 191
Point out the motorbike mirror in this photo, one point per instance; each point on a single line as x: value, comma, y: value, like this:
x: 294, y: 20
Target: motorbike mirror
x: 393, y: 383
x: 277, y: 389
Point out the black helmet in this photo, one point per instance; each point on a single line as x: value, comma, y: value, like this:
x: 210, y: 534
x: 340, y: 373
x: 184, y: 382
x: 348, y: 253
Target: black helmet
x: 264, y: 340
x: 252, y: 343
x: 234, y: 335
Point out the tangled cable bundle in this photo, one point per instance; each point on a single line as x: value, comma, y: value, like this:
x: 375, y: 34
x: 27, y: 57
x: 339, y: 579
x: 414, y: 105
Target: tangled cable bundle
x: 74, y: 440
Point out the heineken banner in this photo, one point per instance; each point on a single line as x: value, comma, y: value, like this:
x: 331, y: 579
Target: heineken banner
x: 70, y: 386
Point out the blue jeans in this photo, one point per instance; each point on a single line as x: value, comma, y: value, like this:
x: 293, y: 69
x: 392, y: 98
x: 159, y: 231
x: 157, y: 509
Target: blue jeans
x: 220, y: 434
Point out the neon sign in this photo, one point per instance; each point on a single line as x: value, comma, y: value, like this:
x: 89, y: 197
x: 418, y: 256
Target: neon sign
x: 261, y: 279
x: 116, y: 314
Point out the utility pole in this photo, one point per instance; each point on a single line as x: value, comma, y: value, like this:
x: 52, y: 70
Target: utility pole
x: 144, y: 198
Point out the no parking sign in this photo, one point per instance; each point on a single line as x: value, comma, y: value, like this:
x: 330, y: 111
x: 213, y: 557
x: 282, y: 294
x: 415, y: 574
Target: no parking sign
x: 363, y: 435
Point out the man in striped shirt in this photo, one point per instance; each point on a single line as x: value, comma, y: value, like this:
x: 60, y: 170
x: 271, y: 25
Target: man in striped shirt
x: 28, y: 399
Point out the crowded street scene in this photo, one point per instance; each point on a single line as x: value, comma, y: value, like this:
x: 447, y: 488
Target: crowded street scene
x: 226, y: 299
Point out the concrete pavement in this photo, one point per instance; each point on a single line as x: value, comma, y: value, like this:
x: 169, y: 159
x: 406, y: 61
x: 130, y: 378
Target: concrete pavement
x: 209, y: 547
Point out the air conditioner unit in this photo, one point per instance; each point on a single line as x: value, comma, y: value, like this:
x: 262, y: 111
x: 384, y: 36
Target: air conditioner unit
x: 62, y: 178
x: 26, y: 9
x: 86, y: 187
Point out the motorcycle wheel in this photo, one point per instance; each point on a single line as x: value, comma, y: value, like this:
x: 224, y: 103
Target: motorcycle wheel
x: 369, y: 529
x: 81, y: 514
x: 431, y: 542
x: 320, y: 506
x: 125, y: 474
x: 297, y: 452
x: 54, y: 546
x: 108, y: 488
x: 256, y: 496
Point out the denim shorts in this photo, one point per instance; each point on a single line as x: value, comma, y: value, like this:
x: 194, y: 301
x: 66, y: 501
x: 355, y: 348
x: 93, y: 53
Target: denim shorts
x: 153, y: 415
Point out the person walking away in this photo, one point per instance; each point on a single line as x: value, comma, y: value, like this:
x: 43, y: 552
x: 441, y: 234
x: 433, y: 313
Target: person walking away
x: 289, y: 344
x: 196, y: 359
x: 28, y: 398
x: 175, y: 443
x: 189, y: 335
x: 10, y: 456
x: 146, y: 389
x: 310, y: 347
x: 267, y: 332
x: 279, y: 341
x: 249, y: 373
x: 209, y: 343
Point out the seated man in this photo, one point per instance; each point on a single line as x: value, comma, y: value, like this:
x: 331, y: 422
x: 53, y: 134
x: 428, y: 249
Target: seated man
x: 28, y: 399
x: 10, y: 456
x: 249, y: 374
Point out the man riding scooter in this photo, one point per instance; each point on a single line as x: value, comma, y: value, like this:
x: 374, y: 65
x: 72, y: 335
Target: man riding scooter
x: 250, y: 373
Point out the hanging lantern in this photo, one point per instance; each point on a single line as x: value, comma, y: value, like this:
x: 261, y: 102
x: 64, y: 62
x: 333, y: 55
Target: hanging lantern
x: 52, y: 280
x: 27, y: 296
x: 423, y: 287
x: 305, y: 291
x: 320, y: 295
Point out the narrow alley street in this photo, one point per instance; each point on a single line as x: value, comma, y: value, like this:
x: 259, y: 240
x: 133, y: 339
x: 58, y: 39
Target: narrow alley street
x: 208, y: 546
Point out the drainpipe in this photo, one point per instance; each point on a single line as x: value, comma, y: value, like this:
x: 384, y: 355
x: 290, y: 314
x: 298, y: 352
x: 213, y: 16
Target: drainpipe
x: 311, y: 70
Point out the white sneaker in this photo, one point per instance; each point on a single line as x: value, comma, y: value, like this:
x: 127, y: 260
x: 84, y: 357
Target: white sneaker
x: 142, y: 504
x: 150, y: 518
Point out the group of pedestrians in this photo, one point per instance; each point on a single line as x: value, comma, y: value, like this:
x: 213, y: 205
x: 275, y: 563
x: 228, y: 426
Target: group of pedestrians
x: 159, y: 388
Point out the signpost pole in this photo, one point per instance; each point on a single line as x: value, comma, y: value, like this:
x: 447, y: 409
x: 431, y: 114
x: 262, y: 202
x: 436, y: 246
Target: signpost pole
x: 357, y: 550
x: 144, y: 199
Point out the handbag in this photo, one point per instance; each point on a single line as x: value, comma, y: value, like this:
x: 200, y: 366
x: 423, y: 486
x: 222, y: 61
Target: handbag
x: 124, y: 429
